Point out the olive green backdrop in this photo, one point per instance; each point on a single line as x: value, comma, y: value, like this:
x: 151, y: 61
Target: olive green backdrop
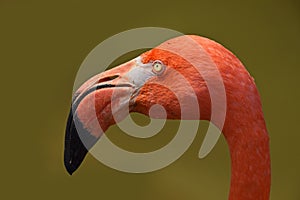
x: 42, y: 44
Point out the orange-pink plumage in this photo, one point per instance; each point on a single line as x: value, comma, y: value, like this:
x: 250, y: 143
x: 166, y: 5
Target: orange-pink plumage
x: 244, y: 128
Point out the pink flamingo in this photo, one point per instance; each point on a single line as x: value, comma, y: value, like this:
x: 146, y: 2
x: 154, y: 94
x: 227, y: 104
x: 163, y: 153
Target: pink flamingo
x: 244, y: 128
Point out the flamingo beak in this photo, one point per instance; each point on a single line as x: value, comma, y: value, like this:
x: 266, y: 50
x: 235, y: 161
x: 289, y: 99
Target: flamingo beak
x: 93, y: 105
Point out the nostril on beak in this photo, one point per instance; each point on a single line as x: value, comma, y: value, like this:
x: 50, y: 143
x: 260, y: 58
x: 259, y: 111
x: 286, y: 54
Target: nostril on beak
x: 108, y: 78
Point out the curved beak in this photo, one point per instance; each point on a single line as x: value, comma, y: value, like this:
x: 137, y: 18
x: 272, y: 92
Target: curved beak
x: 100, y: 102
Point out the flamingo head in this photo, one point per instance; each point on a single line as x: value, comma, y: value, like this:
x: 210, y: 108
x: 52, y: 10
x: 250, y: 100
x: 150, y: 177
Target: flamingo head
x: 169, y: 75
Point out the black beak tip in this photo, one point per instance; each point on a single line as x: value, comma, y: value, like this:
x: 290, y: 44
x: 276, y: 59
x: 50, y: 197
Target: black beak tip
x: 75, y: 149
x: 69, y: 168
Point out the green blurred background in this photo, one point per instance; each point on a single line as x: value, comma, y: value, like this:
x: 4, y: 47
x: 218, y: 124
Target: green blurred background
x: 42, y: 45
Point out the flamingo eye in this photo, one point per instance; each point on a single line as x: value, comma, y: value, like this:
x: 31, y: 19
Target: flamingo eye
x: 158, y: 67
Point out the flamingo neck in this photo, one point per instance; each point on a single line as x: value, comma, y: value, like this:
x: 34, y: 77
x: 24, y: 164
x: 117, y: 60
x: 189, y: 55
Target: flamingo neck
x: 248, y: 143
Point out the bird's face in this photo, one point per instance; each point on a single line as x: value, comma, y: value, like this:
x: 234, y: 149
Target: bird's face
x: 155, y: 77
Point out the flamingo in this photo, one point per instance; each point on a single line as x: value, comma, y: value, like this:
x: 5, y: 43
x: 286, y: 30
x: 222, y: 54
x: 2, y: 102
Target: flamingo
x: 134, y: 86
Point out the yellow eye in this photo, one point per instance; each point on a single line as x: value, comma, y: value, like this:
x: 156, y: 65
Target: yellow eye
x: 158, y: 67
